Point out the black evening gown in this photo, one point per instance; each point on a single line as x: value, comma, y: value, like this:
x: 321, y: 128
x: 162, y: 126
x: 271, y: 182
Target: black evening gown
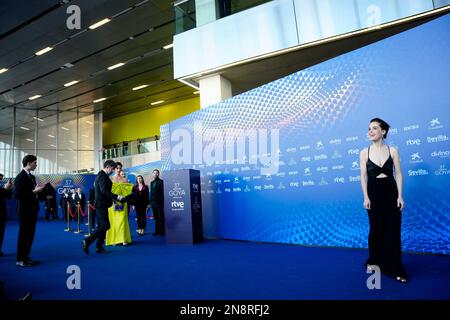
x: 385, y: 219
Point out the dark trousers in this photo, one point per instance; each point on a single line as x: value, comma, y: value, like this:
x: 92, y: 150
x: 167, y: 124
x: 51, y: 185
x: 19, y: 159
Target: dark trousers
x: 51, y: 212
x: 92, y: 218
x: 103, y: 225
x: 27, y: 228
x: 141, y: 218
x: 3, y: 218
x: 158, y: 215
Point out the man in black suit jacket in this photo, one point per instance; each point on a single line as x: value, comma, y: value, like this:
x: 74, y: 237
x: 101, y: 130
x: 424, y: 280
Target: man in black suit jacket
x: 5, y: 193
x: 81, y: 199
x: 103, y: 200
x: 63, y: 201
x: 26, y: 193
x: 157, y: 203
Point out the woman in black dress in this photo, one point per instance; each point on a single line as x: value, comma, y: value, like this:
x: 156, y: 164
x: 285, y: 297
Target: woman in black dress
x: 141, y: 203
x: 383, y: 201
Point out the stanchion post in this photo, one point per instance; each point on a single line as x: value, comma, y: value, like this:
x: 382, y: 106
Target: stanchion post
x: 78, y: 214
x: 68, y: 219
x: 89, y: 221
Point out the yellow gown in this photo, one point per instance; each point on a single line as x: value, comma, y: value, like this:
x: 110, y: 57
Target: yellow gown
x: 119, y: 232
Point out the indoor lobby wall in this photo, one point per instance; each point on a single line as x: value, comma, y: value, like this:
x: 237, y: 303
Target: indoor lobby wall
x: 145, y: 123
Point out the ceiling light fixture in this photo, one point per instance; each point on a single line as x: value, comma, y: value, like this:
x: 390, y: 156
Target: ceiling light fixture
x: 168, y: 46
x: 116, y: 66
x: 68, y: 84
x: 45, y: 50
x: 29, y: 140
x: 157, y: 102
x: 196, y: 92
x: 39, y: 119
x: 140, y: 87
x: 34, y: 97
x: 89, y: 122
x: 98, y: 24
x: 51, y: 136
x: 25, y: 128
x: 3, y: 70
x: 85, y: 135
x: 64, y: 128
x: 99, y: 100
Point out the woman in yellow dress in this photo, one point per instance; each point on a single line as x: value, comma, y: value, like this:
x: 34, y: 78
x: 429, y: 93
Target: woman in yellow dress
x: 119, y: 232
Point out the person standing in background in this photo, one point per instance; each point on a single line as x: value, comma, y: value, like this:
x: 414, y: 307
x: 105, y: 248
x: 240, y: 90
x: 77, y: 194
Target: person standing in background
x: 81, y: 199
x: 157, y: 203
x: 5, y: 193
x: 125, y: 148
x: 26, y: 193
x: 139, y: 142
x: 141, y: 203
x: 63, y: 200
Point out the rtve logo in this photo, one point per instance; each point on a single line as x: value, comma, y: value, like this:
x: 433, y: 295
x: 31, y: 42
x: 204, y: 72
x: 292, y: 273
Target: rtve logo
x: 413, y: 142
x: 177, y: 204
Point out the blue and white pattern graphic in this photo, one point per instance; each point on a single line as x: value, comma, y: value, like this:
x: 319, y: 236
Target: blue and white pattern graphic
x: 321, y: 115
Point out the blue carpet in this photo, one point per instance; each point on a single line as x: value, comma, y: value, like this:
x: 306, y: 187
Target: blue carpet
x: 214, y: 269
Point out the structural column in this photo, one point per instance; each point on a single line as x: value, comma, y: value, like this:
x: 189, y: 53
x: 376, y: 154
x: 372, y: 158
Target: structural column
x: 214, y: 89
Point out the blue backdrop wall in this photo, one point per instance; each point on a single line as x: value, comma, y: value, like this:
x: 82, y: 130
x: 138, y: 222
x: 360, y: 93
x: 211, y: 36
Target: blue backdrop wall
x: 280, y: 163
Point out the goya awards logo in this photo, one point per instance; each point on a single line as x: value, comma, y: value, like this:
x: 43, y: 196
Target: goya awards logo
x: 68, y: 183
x: 177, y: 193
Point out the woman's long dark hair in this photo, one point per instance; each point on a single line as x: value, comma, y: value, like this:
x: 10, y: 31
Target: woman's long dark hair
x: 137, y: 182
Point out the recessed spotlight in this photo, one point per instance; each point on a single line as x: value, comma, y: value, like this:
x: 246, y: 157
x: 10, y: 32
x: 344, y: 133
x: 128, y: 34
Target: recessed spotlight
x: 34, y: 97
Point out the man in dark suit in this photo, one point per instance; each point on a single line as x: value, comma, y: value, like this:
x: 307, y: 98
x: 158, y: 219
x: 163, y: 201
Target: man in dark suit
x: 157, y: 203
x: 63, y: 201
x: 5, y: 193
x: 103, y: 200
x: 73, y: 204
x: 26, y: 193
x: 81, y: 199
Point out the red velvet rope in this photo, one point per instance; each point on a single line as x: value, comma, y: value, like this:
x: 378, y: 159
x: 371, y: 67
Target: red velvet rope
x: 70, y: 212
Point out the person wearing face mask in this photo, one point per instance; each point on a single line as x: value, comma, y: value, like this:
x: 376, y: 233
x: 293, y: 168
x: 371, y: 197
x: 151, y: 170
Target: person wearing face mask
x: 384, y: 201
x: 103, y: 200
